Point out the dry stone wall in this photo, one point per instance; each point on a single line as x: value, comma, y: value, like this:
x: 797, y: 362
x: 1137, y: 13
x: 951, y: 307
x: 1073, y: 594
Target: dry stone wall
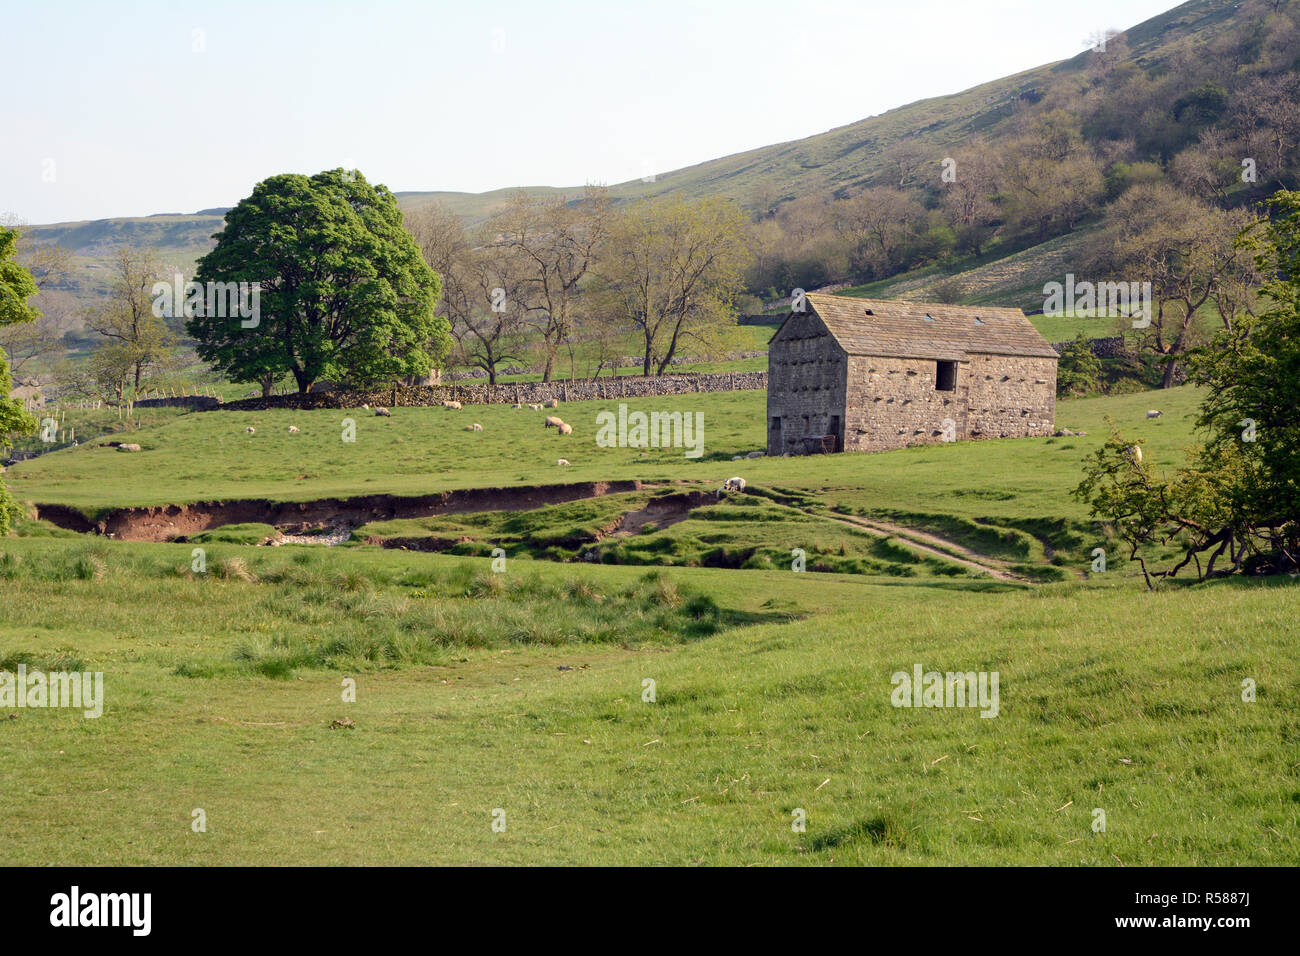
x: 526, y: 393
x: 1110, y: 347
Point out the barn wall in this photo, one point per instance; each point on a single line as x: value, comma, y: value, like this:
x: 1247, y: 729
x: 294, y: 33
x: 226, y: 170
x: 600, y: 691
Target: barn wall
x: 1011, y: 397
x: 895, y: 404
x: 805, y: 389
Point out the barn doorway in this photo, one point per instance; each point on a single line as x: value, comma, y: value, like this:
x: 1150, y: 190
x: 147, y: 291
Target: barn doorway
x: 945, y: 377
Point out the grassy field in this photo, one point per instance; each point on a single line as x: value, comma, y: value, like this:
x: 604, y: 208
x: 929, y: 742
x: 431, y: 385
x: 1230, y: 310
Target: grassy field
x: 222, y: 689
x: 206, y: 456
x: 483, y: 688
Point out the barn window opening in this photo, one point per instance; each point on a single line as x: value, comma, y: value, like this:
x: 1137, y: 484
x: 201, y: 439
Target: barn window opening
x: 945, y: 377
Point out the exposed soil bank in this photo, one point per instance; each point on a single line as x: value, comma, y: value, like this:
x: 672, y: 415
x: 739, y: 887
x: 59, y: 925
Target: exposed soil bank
x: 663, y: 512
x: 167, y: 522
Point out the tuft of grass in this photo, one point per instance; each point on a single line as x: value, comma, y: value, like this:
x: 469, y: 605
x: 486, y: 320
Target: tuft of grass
x: 234, y: 569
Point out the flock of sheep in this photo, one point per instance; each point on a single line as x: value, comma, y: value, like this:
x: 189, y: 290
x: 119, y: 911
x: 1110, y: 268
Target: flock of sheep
x: 552, y: 421
x: 736, y: 484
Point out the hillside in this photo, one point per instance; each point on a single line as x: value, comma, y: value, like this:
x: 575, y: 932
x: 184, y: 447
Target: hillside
x: 848, y: 157
x: 831, y: 164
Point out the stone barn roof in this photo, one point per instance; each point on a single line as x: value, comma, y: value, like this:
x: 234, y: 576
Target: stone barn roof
x: 897, y: 329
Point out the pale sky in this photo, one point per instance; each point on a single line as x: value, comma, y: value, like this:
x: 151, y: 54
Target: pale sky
x: 121, y: 108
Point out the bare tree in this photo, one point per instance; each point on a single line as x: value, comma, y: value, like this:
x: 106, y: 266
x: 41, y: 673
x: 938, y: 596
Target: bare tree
x: 670, y: 270
x: 1269, y: 124
x: 137, y: 338
x: 877, y: 223
x: 554, y: 243
x: 1187, y: 251
x: 969, y: 202
x: 904, y: 161
x: 482, y: 288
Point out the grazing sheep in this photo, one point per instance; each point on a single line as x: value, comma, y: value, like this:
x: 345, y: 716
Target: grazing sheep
x: 757, y: 454
x: 737, y: 457
x: 731, y: 484
x: 516, y: 405
x: 293, y: 429
x: 552, y: 422
x: 562, y: 461
x: 454, y: 406
x: 383, y: 413
x: 1154, y: 413
x: 553, y: 403
x: 565, y: 429
x: 250, y: 430
x: 476, y: 427
x: 1134, y: 454
x: 536, y: 408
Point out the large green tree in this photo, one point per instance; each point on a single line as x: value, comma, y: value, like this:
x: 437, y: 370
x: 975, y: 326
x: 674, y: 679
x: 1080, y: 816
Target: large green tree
x: 344, y: 291
x: 16, y: 287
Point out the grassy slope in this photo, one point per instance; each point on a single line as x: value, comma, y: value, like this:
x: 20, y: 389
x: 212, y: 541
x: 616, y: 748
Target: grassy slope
x: 1109, y: 698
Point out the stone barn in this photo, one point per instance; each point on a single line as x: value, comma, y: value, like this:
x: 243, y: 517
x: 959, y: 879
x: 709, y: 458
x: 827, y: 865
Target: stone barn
x: 869, y: 375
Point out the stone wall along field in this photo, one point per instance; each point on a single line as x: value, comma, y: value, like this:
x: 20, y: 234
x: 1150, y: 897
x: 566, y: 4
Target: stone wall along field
x: 524, y: 393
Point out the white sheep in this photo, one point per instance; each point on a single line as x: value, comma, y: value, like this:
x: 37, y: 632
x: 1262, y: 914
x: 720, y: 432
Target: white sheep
x: 565, y: 429
x: 552, y: 422
x: 553, y: 403
x: 293, y: 429
x: 536, y: 408
x: 250, y: 430
x: 757, y: 454
x: 383, y: 413
x: 1154, y: 413
x: 454, y: 406
x: 562, y: 461
x: 476, y: 427
x: 731, y: 484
